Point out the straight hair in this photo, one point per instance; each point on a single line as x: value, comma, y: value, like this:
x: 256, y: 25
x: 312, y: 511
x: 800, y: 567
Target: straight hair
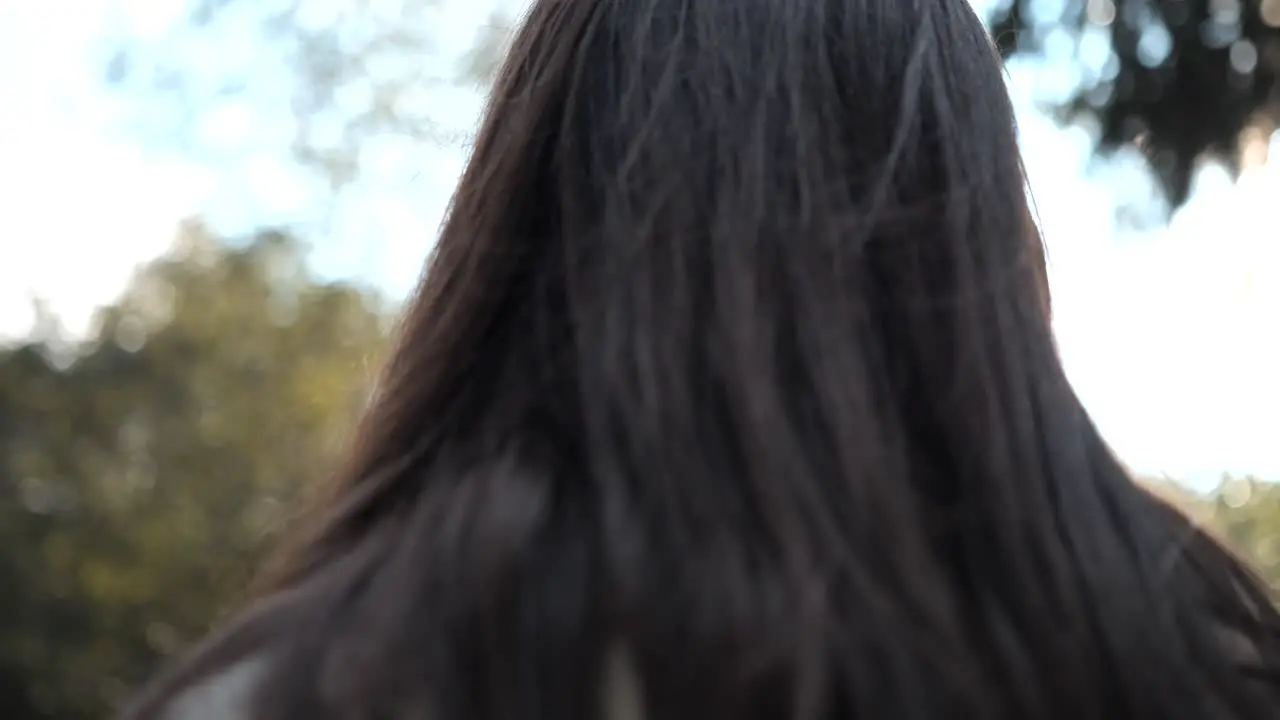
x: 733, y: 361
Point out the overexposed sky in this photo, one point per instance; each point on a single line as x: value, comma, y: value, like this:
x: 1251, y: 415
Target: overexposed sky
x: 1172, y: 336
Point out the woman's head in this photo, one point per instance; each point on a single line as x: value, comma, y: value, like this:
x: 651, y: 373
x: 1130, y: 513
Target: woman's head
x: 687, y: 215
x: 733, y: 353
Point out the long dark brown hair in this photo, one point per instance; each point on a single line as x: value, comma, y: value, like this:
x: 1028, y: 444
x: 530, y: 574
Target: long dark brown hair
x: 733, y: 353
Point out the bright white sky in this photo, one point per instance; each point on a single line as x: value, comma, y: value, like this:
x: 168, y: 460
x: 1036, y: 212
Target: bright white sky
x: 1171, y: 336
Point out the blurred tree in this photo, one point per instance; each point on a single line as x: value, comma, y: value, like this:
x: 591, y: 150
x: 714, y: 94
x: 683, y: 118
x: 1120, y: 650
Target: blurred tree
x: 1179, y: 78
x: 1247, y: 513
x: 141, y: 477
x: 1242, y: 511
x: 349, y: 72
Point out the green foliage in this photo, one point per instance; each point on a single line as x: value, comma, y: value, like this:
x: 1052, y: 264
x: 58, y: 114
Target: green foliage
x: 1247, y: 514
x: 1242, y: 511
x: 142, y: 476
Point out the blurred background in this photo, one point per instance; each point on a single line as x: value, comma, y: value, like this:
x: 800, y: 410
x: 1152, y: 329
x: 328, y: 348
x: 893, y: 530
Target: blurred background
x: 212, y: 210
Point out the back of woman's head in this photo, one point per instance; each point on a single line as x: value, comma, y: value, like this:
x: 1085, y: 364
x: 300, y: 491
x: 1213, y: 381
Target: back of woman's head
x: 733, y: 369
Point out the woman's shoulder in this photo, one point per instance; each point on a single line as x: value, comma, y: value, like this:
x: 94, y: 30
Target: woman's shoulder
x: 219, y: 678
x: 224, y: 695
